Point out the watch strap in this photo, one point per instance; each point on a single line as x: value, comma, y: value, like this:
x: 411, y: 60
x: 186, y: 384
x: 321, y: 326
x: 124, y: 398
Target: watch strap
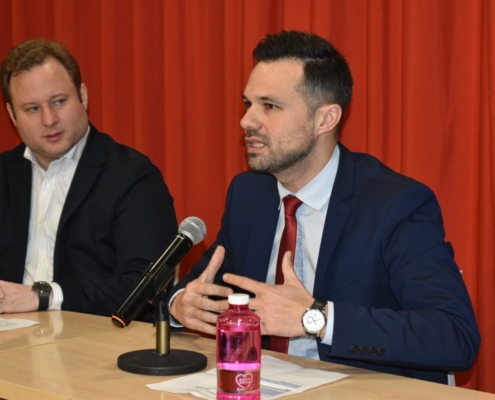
x: 43, y: 290
x: 44, y: 300
x: 319, y: 305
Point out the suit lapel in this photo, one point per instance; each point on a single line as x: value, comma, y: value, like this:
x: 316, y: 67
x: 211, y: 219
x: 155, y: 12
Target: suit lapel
x: 85, y: 176
x: 338, y: 211
x: 261, y: 242
x: 20, y: 177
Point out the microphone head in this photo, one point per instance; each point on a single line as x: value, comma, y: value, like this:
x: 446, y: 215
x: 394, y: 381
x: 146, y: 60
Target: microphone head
x: 194, y: 228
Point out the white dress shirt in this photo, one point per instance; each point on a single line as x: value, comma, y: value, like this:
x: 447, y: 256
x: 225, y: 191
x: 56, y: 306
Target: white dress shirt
x: 48, y: 193
x: 311, y: 217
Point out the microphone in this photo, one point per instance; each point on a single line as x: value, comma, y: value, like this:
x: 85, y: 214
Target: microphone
x: 191, y: 231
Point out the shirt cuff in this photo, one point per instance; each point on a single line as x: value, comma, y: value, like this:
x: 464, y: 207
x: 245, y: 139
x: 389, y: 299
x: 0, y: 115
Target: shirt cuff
x: 58, y: 297
x: 173, y: 322
x: 327, y: 339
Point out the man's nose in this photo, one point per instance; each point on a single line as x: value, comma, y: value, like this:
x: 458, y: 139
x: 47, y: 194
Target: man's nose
x: 250, y: 121
x: 48, y: 116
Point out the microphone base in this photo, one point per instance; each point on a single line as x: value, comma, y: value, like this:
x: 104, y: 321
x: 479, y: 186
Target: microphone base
x: 149, y: 362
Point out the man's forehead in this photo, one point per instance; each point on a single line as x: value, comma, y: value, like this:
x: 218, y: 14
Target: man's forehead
x: 267, y: 79
x: 47, y: 62
x: 287, y: 67
x: 41, y: 82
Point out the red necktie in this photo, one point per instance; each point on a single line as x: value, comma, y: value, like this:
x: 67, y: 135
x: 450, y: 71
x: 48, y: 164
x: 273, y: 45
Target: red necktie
x: 287, y: 243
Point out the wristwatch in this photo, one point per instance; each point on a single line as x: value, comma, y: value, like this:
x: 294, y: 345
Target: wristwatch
x: 43, y: 289
x: 314, y: 318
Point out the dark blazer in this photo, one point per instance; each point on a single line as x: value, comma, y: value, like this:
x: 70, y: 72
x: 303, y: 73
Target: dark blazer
x: 400, y: 302
x: 118, y: 217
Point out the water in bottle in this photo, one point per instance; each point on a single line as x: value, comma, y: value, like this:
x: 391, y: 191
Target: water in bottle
x: 238, y: 351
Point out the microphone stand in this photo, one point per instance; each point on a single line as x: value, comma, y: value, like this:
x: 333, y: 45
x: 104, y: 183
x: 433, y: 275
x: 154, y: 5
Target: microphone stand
x: 162, y: 360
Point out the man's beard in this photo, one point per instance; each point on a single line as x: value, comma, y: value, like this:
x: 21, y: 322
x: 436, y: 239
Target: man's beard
x: 283, y: 159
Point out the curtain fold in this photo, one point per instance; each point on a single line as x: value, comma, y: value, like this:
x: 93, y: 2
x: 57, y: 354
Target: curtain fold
x: 166, y: 77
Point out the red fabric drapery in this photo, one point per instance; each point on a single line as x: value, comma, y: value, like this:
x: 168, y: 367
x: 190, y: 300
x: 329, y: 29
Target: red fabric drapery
x: 166, y: 77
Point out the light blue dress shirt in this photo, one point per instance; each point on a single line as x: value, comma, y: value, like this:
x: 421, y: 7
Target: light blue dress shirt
x: 310, y: 222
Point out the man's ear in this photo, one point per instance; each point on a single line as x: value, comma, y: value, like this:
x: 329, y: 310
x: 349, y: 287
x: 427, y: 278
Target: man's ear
x: 84, y: 95
x: 328, y: 117
x: 11, y: 113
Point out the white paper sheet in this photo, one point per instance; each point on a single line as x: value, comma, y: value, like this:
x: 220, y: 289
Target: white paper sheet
x: 15, y: 323
x: 278, y: 379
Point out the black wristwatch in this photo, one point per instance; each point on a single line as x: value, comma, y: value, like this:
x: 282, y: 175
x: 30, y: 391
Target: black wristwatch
x: 314, y: 318
x: 43, y: 289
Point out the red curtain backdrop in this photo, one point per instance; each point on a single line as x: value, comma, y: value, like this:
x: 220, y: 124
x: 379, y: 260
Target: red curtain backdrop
x: 166, y: 77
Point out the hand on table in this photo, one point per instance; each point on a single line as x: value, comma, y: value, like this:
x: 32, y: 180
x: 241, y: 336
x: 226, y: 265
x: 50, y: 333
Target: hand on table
x: 15, y: 297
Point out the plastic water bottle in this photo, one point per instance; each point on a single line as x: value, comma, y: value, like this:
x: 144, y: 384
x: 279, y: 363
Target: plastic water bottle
x: 238, y: 351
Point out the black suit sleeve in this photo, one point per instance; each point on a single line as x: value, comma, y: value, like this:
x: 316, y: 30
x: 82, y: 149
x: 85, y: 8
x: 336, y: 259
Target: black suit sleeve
x: 124, y: 224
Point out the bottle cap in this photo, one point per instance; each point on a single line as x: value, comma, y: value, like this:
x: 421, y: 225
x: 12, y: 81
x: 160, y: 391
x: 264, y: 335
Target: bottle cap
x: 238, y: 298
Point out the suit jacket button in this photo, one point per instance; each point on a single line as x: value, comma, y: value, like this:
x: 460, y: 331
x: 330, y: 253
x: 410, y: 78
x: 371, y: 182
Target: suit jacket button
x: 371, y: 350
x: 354, y: 348
x: 380, y: 352
x: 363, y: 350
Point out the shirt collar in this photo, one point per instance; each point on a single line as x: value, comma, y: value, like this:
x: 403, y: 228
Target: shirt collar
x: 317, y: 192
x: 74, y: 154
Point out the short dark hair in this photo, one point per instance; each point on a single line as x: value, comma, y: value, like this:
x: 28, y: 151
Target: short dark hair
x: 327, y: 76
x: 32, y: 53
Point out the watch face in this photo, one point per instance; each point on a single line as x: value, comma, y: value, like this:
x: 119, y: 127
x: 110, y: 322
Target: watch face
x: 313, y: 320
x: 42, y: 287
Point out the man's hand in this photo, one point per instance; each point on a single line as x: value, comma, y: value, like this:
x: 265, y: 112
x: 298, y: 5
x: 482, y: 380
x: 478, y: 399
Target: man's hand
x: 15, y: 297
x: 280, y: 307
x: 192, y: 308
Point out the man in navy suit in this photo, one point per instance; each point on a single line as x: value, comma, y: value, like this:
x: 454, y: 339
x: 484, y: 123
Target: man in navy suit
x: 81, y: 216
x: 373, y: 283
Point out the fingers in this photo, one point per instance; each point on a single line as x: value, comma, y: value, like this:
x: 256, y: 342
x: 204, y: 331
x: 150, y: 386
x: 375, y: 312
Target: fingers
x: 196, y: 312
x: 193, y: 307
x: 214, y: 265
x: 290, y: 277
x: 204, y: 303
x: 248, y: 284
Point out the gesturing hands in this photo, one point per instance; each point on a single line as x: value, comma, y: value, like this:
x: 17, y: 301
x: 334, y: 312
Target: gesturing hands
x: 280, y: 307
x: 192, y: 308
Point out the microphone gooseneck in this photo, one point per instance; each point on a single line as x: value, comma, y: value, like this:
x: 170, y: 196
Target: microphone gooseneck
x: 191, y: 231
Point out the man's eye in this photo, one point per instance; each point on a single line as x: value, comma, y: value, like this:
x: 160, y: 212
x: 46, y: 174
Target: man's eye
x: 247, y: 104
x: 59, y: 101
x: 270, y: 106
x: 33, y: 109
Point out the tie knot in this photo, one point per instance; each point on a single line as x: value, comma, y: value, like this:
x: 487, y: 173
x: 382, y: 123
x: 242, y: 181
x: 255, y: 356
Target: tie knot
x: 291, y: 204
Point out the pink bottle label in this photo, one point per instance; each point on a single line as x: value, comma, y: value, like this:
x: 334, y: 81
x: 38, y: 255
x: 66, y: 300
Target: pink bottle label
x: 238, y: 381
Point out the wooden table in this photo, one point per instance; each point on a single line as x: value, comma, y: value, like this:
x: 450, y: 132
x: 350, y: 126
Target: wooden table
x: 74, y: 356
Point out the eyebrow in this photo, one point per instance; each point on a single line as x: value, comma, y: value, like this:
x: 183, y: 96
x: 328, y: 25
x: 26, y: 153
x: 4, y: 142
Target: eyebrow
x: 29, y: 104
x: 264, y: 98
x: 35, y: 103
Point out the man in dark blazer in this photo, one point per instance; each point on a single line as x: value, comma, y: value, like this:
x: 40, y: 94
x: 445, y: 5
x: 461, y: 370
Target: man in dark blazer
x: 81, y: 216
x: 374, y: 284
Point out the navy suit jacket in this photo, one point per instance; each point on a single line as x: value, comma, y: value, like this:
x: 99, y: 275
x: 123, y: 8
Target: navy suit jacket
x: 117, y: 218
x: 400, y: 302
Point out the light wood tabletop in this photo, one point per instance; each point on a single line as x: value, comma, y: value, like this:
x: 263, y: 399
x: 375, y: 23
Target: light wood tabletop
x: 53, y: 326
x: 78, y: 360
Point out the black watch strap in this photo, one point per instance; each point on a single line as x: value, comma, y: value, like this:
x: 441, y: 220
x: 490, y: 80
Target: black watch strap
x: 43, y: 289
x: 319, y: 305
x: 44, y: 300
